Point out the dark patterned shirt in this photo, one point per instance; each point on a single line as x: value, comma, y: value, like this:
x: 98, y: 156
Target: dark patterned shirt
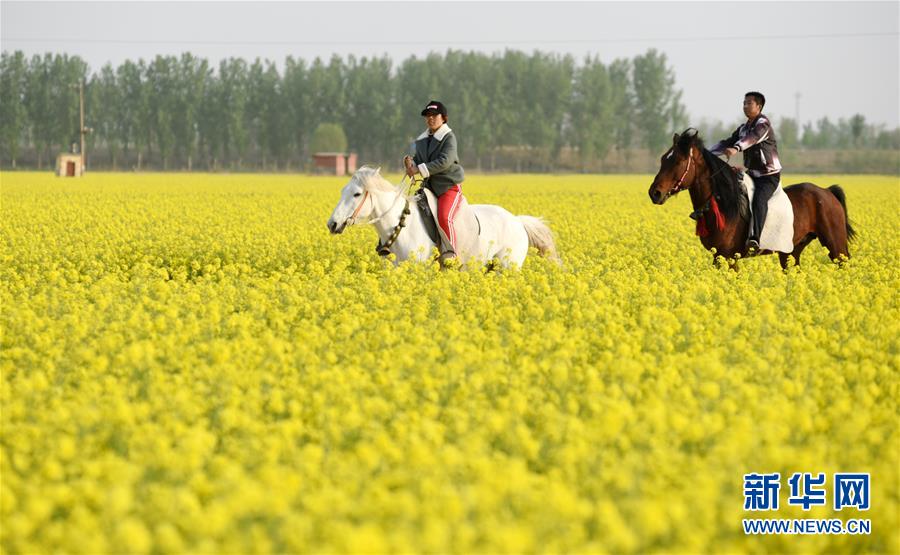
x: 756, y: 139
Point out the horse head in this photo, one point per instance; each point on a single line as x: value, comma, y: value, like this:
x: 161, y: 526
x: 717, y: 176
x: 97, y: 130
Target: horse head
x: 675, y: 167
x: 356, y: 203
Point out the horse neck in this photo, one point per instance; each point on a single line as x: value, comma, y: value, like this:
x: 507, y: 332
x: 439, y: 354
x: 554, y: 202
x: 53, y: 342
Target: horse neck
x: 391, y: 207
x: 701, y: 188
x: 387, y: 209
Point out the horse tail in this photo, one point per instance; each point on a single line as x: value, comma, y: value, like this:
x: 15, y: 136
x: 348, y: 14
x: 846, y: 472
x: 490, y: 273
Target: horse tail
x: 540, y: 237
x: 842, y: 198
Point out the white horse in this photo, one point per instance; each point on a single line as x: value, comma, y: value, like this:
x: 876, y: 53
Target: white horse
x: 369, y: 198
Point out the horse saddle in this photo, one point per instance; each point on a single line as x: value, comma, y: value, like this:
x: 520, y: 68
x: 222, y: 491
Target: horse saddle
x: 466, y: 224
x: 778, y: 230
x: 428, y: 218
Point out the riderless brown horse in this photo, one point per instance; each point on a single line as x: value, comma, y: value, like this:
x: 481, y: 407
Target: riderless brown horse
x: 722, y: 210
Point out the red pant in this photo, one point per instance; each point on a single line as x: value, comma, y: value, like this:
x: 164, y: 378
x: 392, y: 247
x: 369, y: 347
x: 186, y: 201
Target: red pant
x: 448, y: 203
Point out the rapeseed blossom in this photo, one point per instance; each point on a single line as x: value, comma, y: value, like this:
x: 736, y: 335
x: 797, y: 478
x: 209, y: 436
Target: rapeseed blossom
x: 192, y: 363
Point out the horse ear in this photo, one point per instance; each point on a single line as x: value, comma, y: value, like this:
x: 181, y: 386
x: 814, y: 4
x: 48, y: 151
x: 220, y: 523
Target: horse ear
x: 675, y: 139
x: 378, y: 171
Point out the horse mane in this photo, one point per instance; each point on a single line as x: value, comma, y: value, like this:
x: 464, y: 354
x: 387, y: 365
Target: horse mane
x: 372, y: 180
x: 729, y: 192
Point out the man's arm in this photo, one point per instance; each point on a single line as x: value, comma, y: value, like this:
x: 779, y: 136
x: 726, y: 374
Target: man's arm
x: 724, y: 144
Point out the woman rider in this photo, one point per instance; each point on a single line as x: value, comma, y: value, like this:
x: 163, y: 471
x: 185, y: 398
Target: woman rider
x: 437, y: 162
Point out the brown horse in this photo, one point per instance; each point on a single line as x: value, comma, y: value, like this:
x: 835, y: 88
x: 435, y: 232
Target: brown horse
x: 722, y: 209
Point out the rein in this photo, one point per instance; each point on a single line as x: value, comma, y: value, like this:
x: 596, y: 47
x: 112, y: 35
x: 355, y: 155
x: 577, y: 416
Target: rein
x: 363, y: 201
x: 383, y: 249
x: 680, y: 186
x: 400, y: 192
x: 708, y: 205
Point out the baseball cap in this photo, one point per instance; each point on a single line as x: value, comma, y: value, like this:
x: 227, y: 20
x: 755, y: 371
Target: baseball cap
x: 434, y: 107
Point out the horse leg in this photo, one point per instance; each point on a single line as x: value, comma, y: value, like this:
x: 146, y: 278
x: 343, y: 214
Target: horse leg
x: 717, y: 262
x: 798, y: 248
x: 832, y: 228
x: 834, y: 239
x: 509, y: 259
x: 838, y: 224
x: 514, y: 255
x: 837, y: 248
x: 783, y: 259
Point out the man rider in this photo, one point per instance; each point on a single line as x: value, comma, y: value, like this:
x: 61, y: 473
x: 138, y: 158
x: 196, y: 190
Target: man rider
x: 756, y: 139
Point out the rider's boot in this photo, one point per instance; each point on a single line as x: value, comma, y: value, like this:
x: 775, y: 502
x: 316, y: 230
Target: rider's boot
x: 752, y: 246
x: 448, y: 259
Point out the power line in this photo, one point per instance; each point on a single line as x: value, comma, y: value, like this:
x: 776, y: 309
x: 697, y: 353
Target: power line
x: 442, y: 43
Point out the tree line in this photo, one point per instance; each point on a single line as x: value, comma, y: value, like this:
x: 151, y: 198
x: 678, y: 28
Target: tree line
x: 181, y: 112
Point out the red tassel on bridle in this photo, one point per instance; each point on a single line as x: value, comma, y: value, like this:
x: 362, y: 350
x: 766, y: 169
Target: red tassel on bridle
x: 702, y: 230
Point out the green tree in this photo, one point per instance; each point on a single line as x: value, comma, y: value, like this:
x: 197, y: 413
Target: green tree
x: 826, y: 133
x: 265, y: 111
x: 371, y: 110
x: 38, y: 95
x: 326, y: 91
x: 104, y: 98
x: 788, y: 133
x: 52, y: 102
x: 298, y: 103
x: 134, y: 127
x: 809, y: 138
x: 857, y: 129
x: 548, y: 104
x: 592, y: 113
x: 13, y: 114
x: 210, y: 122
x: 232, y: 99
x: 189, y: 81
x: 274, y: 109
x: 476, y: 120
x: 328, y: 137
x: 888, y: 139
x: 622, y: 102
x: 658, y: 107
x: 162, y: 86
x: 511, y: 106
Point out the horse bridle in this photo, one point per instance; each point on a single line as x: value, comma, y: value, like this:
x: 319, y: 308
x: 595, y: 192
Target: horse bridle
x: 358, y: 208
x: 704, y: 208
x: 680, y: 185
x: 400, y: 192
x: 384, y: 249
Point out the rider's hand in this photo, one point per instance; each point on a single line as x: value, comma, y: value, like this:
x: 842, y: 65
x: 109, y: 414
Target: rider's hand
x: 411, y: 169
x: 729, y: 152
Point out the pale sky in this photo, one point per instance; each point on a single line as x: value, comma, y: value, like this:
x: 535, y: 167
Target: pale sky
x: 841, y: 57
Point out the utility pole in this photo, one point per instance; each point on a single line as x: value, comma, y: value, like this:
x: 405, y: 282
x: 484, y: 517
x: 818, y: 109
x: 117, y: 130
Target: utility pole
x: 81, y: 127
x: 82, y: 130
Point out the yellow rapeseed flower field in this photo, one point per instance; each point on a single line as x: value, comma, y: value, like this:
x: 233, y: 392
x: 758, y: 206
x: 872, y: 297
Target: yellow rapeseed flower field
x: 191, y: 363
